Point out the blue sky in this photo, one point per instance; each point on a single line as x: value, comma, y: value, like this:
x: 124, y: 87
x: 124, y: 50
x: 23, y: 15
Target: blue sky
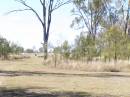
x: 25, y: 29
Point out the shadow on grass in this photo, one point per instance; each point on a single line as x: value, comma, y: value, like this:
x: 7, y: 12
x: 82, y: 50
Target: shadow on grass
x: 24, y: 93
x: 37, y: 73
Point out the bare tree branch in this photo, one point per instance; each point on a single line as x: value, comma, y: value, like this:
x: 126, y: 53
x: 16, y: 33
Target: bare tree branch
x: 58, y: 5
x: 41, y: 2
x: 30, y: 8
x: 16, y: 11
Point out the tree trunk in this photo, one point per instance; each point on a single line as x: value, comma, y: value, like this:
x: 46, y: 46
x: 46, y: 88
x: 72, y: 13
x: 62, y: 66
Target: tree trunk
x: 127, y: 18
x: 126, y: 24
x: 45, y: 47
x: 55, y: 59
x: 115, y: 54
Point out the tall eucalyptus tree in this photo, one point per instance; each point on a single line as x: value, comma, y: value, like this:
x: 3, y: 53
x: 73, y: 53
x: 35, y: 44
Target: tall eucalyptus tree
x: 89, y: 13
x: 48, y: 7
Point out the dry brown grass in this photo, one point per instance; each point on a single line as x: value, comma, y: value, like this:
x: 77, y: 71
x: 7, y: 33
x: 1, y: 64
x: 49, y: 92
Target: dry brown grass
x: 94, y: 66
x: 37, y: 63
x: 97, y: 85
x: 31, y: 74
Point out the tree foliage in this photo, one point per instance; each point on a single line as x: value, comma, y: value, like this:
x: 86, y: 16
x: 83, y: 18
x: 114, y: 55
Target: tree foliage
x: 7, y: 48
x: 65, y: 49
x: 88, y: 14
x: 4, y: 48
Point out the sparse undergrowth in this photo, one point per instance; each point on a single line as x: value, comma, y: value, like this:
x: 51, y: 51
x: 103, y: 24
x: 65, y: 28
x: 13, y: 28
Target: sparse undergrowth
x: 94, y: 66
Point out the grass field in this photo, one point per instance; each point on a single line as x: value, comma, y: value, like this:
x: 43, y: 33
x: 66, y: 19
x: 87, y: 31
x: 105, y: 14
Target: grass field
x: 30, y: 78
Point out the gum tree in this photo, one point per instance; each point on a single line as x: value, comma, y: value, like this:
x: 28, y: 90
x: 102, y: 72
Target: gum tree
x: 88, y: 14
x: 48, y: 7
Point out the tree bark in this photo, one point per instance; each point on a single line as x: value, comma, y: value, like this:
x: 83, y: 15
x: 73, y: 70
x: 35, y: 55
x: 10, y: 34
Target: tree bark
x: 45, y: 47
x: 115, y: 54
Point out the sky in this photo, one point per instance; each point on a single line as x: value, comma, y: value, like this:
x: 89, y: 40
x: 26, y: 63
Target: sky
x: 24, y: 28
